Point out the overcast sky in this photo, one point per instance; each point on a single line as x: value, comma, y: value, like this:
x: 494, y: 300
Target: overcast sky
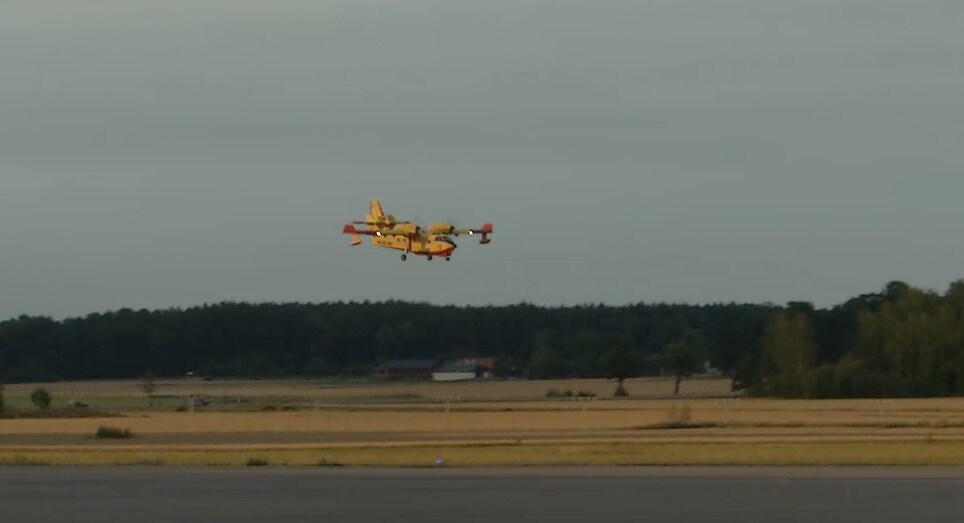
x: 175, y: 153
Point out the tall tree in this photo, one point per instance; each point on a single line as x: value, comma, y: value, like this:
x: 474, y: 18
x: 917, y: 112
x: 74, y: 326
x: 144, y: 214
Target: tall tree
x: 789, y: 351
x: 682, y: 360
x: 621, y: 364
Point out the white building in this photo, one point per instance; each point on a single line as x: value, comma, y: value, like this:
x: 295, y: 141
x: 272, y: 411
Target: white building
x: 451, y: 371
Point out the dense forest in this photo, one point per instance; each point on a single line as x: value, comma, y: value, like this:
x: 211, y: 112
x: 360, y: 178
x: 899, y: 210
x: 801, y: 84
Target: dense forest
x: 901, y: 341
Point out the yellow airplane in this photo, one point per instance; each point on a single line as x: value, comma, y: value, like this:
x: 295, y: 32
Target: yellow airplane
x: 408, y: 237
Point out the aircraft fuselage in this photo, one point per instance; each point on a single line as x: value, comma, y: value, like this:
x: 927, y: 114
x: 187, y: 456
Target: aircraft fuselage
x: 422, y: 247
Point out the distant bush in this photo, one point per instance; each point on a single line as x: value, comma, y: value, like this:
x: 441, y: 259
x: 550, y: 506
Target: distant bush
x: 556, y: 393
x: 41, y: 398
x: 257, y: 462
x: 113, y: 433
x: 620, y: 391
x: 3, y: 405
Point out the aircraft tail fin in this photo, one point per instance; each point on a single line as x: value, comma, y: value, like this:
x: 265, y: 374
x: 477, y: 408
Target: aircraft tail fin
x: 376, y: 215
x: 376, y: 211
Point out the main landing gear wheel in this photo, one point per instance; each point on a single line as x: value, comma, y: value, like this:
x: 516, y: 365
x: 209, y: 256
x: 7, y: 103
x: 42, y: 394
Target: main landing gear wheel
x: 404, y: 257
x: 448, y: 259
x: 429, y: 258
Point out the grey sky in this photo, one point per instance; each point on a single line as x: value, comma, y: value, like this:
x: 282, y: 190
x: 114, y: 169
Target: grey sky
x: 174, y: 153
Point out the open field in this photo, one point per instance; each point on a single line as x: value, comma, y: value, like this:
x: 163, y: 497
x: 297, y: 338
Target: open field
x: 493, y: 423
x: 242, y: 394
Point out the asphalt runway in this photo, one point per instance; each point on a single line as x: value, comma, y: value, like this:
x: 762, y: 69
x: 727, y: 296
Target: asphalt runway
x: 184, y: 495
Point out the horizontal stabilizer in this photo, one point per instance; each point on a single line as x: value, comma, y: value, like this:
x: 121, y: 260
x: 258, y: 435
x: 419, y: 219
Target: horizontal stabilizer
x: 350, y: 229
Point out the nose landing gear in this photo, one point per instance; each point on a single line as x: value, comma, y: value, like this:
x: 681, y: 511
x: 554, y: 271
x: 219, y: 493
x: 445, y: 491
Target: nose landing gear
x: 404, y: 257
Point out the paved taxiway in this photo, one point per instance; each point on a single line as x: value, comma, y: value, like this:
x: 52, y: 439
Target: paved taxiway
x: 187, y: 495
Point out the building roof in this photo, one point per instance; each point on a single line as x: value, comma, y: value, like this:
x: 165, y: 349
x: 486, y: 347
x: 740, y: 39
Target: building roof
x: 484, y: 363
x: 417, y: 364
x: 454, y: 366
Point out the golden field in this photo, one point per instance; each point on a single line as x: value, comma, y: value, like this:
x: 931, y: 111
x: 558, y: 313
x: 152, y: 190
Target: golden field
x: 129, y: 394
x: 489, y: 423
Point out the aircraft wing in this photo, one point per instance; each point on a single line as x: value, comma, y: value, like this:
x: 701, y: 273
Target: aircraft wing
x: 394, y: 231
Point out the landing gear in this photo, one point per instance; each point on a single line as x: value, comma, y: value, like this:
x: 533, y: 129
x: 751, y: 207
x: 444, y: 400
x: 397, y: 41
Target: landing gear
x: 448, y: 259
x: 429, y: 258
x: 404, y: 257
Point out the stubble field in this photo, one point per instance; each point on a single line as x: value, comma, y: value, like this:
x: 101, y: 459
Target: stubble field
x: 486, y: 423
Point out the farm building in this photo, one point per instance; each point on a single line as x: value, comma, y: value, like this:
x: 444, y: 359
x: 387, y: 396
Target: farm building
x: 485, y: 366
x: 456, y: 371
x: 420, y: 369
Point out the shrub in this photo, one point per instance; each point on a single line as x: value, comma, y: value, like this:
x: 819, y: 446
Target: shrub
x: 3, y: 405
x: 568, y: 393
x: 41, y: 398
x: 257, y: 462
x: 113, y: 433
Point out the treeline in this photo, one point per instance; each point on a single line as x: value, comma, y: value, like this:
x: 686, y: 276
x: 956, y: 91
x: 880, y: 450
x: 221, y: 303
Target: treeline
x: 898, y: 342
x: 906, y: 342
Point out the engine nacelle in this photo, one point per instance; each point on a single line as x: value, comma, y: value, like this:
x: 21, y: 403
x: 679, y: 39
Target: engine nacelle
x: 406, y: 228
x: 441, y: 228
